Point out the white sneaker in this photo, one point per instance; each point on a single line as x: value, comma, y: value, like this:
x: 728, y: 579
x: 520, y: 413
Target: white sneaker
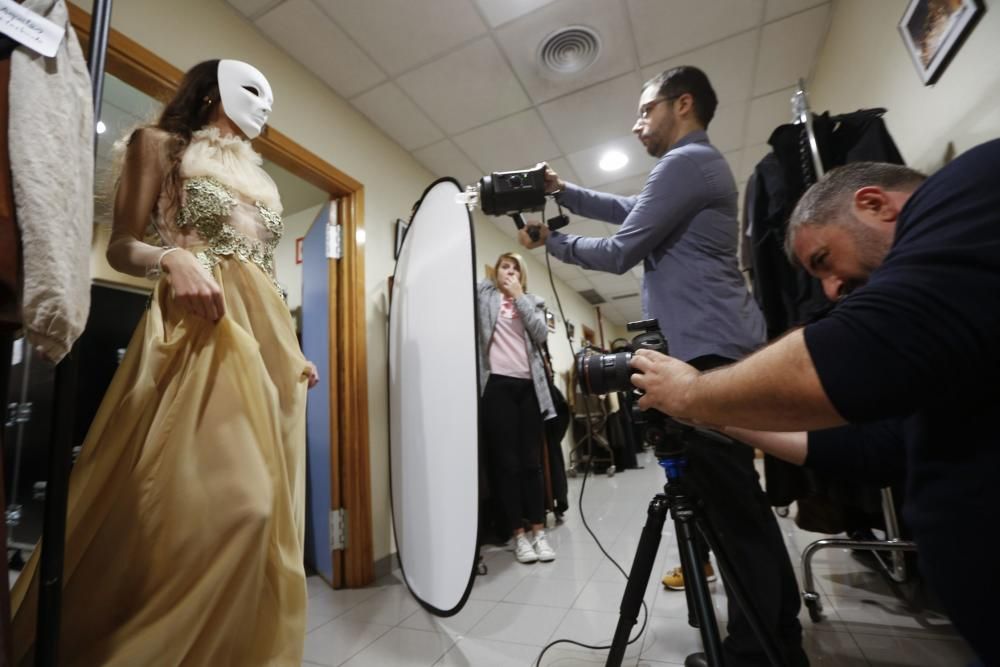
x: 523, y: 551
x: 544, y: 552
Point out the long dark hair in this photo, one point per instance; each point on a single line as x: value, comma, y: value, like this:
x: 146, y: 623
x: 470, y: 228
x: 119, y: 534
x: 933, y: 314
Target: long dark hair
x: 189, y: 110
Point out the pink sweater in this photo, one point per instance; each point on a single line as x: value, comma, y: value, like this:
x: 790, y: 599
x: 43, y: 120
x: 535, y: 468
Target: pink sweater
x: 508, y: 354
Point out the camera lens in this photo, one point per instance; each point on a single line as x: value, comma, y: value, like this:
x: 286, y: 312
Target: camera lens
x: 604, y: 373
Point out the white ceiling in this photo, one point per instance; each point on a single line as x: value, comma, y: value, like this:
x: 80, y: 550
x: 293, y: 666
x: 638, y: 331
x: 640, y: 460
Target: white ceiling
x: 456, y: 83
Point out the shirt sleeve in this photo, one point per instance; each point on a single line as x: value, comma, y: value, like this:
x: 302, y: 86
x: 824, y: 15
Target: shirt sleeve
x: 870, y: 453
x: 675, y: 191
x: 917, y: 337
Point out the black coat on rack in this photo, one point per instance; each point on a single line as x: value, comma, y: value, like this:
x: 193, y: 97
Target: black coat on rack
x: 787, y: 294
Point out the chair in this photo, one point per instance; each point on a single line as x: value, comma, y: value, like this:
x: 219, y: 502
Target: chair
x: 590, y: 417
x: 895, y: 569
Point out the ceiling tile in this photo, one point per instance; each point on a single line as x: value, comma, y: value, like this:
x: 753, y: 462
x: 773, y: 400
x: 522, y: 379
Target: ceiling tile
x: 614, y: 285
x: 520, y: 41
x: 726, y: 129
x: 309, y: 36
x: 665, y: 28
x: 579, y: 284
x: 389, y: 108
x: 777, y: 9
x: 565, y: 271
x: 500, y: 11
x: 594, y: 115
x: 789, y: 49
x: 589, y: 228
x: 251, y: 8
x: 767, y: 113
x: 401, y: 34
x: 728, y: 64
x: 507, y: 227
x: 628, y: 187
x: 516, y: 142
x: 467, y: 88
x: 565, y: 170
x: 444, y: 159
x: 631, y: 309
x: 585, y: 162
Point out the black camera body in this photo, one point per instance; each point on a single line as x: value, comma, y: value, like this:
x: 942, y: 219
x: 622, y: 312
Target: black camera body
x: 605, y: 373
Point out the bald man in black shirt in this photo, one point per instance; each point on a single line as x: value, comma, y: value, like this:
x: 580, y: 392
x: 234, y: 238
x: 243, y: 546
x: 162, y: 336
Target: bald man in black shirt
x: 916, y: 336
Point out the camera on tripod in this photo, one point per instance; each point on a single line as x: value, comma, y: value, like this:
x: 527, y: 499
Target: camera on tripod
x: 605, y: 373
x: 513, y: 193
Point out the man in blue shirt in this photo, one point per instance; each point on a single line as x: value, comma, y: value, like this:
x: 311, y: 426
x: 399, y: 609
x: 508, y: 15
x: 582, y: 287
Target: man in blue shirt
x: 683, y: 227
x: 916, y: 336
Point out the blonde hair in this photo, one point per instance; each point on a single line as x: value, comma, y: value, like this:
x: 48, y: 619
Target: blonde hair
x: 517, y: 259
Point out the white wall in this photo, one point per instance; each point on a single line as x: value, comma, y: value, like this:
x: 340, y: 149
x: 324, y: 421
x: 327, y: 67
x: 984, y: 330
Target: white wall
x: 185, y: 32
x: 865, y: 64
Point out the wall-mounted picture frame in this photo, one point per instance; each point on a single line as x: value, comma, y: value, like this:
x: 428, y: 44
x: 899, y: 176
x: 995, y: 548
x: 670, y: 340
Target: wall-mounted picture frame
x: 933, y: 31
x: 550, y: 320
x: 401, y: 227
x: 298, y: 249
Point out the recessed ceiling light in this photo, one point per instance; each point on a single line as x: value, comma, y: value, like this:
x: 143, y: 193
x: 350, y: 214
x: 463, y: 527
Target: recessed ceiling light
x: 613, y: 161
x: 101, y: 127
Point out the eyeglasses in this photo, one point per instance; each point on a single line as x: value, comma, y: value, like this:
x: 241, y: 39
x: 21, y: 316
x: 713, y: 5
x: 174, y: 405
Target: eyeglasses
x: 648, y: 107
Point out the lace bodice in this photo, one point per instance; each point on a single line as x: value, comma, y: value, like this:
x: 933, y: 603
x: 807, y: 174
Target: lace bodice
x: 228, y: 207
x: 227, y: 225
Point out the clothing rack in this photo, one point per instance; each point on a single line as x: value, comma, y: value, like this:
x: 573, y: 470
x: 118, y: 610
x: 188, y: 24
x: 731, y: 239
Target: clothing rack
x: 801, y: 115
x: 895, y: 566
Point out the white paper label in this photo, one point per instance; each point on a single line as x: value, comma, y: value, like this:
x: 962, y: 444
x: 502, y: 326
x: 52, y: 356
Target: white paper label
x: 34, y: 31
x: 17, y: 352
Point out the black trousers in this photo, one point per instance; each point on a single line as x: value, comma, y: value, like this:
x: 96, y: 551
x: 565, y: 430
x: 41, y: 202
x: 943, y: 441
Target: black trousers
x: 724, y: 477
x: 513, y: 432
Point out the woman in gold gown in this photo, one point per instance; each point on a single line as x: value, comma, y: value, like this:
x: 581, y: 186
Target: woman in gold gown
x: 186, y: 507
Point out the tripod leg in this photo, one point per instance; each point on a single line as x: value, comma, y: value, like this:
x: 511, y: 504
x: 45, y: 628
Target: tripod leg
x: 638, y: 577
x: 694, y: 581
x: 736, y: 587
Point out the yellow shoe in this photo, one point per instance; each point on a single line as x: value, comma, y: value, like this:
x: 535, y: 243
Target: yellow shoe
x: 674, y: 579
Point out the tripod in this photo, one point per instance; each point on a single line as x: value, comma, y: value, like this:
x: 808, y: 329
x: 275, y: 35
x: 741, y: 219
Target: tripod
x: 687, y: 515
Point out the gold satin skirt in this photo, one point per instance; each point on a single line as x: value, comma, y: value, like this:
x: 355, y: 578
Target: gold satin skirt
x: 186, y: 513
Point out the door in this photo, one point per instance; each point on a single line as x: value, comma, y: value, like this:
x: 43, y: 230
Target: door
x: 322, y: 492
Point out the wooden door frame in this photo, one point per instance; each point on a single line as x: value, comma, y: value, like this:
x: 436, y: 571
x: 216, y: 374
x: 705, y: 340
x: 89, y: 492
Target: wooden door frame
x: 350, y: 474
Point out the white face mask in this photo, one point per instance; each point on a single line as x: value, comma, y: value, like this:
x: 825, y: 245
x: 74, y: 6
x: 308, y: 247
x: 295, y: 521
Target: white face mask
x: 246, y: 96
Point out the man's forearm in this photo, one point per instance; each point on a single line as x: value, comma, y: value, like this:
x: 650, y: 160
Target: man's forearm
x: 774, y: 389
x: 792, y: 446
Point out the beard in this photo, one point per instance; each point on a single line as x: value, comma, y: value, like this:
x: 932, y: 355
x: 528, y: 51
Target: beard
x: 871, y: 247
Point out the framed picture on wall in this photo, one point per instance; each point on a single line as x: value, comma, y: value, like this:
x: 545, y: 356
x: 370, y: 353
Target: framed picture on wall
x: 933, y: 31
x: 550, y: 320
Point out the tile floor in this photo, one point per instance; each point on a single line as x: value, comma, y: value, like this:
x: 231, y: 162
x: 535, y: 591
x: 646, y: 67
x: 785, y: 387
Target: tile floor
x: 516, y: 609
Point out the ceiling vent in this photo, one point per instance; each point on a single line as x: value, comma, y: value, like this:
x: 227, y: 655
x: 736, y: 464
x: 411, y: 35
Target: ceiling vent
x: 568, y: 51
x: 592, y: 297
x: 624, y: 296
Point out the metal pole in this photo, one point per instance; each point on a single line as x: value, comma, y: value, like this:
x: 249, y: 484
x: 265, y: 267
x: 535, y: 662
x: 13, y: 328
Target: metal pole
x: 61, y: 444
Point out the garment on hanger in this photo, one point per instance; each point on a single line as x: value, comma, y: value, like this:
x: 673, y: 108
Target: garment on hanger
x: 52, y: 170
x: 787, y: 295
